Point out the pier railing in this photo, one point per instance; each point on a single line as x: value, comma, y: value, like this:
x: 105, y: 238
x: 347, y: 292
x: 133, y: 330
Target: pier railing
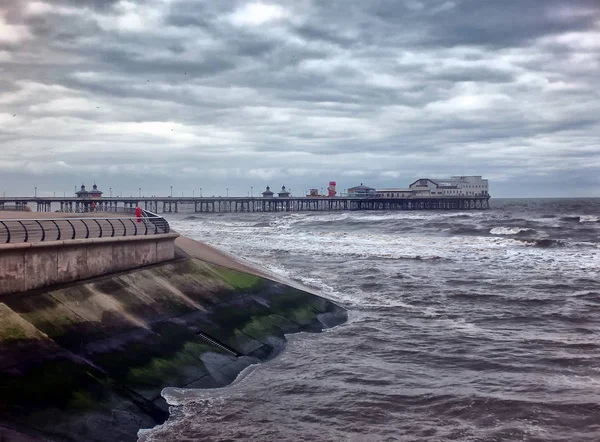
x: 60, y: 229
x: 14, y: 208
x: 104, y: 209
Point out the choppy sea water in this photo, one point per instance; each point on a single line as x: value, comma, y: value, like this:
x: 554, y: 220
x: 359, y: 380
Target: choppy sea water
x: 469, y: 326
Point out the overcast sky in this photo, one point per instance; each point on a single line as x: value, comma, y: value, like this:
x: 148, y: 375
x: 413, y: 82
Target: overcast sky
x: 215, y: 94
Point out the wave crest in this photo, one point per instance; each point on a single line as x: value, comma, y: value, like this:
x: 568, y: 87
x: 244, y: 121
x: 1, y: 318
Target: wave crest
x: 581, y: 219
x: 510, y: 230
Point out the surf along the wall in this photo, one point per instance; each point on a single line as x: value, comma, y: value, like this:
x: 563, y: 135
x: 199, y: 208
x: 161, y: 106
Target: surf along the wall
x: 87, y: 361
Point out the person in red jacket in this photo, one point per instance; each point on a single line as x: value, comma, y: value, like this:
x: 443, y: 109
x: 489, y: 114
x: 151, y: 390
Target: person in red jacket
x: 138, y: 214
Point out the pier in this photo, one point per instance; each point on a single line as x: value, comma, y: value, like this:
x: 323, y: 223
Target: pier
x: 245, y: 204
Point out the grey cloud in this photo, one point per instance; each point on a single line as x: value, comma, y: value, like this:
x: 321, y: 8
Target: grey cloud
x: 155, y: 69
x: 98, y: 5
x: 314, y: 33
x: 493, y: 24
x: 183, y: 94
x: 474, y: 74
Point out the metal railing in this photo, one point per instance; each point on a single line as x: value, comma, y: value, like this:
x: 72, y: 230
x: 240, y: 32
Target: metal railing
x: 14, y: 208
x: 60, y: 229
x: 85, y: 209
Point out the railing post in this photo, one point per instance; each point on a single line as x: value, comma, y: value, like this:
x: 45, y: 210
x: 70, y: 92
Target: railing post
x: 43, y: 231
x: 7, y: 232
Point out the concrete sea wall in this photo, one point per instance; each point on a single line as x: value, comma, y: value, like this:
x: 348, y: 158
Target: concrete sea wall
x: 26, y: 266
x: 87, y: 361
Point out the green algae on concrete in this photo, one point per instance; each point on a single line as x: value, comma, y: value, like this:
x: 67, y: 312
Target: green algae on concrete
x: 238, y: 280
x: 96, y: 355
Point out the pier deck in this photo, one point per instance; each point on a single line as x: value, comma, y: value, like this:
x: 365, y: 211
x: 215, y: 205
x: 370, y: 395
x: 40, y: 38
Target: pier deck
x: 248, y: 204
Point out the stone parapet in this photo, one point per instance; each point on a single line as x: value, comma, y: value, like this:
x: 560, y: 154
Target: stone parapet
x: 27, y: 266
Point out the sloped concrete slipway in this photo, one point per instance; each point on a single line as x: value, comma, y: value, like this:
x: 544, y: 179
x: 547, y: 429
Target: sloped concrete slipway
x: 87, y: 361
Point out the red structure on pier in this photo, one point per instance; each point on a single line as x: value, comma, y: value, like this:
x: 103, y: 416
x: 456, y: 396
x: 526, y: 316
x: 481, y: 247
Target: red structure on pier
x: 331, y: 189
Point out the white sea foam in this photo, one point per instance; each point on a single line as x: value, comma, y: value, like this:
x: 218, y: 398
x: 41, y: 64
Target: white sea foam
x: 589, y: 219
x: 509, y: 230
x: 373, y: 270
x: 264, y: 245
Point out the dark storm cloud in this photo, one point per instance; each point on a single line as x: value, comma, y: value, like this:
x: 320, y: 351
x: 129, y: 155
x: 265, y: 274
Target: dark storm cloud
x: 314, y: 33
x: 197, y: 14
x: 143, y: 69
x: 98, y: 5
x: 480, y: 74
x: 236, y: 93
x: 496, y: 24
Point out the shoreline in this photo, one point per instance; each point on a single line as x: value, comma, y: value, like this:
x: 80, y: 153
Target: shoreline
x: 114, y: 342
x: 196, y: 249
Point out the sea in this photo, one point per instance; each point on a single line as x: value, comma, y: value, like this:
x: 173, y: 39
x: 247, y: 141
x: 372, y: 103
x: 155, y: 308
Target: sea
x: 463, y: 325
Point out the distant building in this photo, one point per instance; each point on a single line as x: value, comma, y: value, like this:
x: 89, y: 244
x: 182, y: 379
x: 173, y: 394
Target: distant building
x: 284, y: 193
x: 361, y: 191
x: 453, y: 186
x: 268, y: 193
x: 94, y: 193
x: 395, y: 193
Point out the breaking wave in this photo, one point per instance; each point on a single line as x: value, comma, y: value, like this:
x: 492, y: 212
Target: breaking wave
x: 510, y: 230
x: 518, y: 283
x: 581, y: 219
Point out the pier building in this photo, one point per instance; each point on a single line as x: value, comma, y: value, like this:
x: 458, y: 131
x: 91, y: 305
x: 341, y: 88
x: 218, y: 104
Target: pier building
x: 268, y: 193
x: 395, y: 193
x: 284, y: 193
x: 94, y: 193
x: 453, y: 186
x: 361, y: 191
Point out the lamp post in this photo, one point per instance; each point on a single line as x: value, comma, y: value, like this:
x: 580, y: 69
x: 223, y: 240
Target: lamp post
x: 171, y: 190
x: 110, y: 191
x: 227, y: 191
x: 201, y: 192
x: 193, y: 193
x: 252, y: 191
x: 35, y: 192
x: 140, y: 191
